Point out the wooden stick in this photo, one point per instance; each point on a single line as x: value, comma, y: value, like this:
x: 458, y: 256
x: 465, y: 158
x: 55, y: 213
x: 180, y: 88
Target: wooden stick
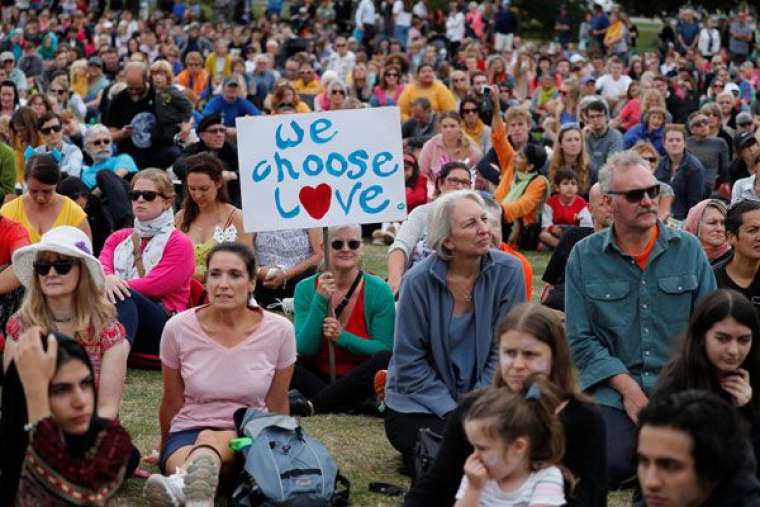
x: 330, y: 309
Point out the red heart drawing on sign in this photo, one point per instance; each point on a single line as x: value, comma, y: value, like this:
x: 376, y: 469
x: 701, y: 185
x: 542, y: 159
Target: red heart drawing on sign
x: 316, y: 200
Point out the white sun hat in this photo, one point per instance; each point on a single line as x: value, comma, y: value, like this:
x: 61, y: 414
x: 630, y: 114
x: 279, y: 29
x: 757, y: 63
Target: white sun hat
x: 65, y: 240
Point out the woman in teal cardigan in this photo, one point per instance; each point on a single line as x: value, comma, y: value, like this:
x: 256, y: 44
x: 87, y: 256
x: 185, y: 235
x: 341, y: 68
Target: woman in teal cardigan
x: 361, y: 331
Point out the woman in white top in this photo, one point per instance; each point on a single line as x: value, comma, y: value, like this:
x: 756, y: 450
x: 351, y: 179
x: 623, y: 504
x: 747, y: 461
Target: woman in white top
x: 207, y: 215
x: 455, y: 26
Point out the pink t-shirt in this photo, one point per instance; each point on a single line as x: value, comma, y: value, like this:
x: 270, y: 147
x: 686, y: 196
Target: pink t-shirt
x: 219, y: 380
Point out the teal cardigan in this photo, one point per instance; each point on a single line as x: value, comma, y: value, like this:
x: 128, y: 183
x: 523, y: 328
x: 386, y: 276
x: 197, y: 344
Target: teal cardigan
x: 379, y: 313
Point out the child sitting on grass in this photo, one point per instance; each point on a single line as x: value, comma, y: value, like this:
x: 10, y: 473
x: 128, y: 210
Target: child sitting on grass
x: 518, y: 442
x: 563, y: 209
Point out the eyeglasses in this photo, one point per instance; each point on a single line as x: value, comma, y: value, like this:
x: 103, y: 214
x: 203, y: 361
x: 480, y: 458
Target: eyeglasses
x: 636, y: 195
x: 59, y: 92
x: 391, y: 74
x: 353, y: 244
x: 458, y: 181
x: 62, y: 266
x: 744, y: 124
x: 100, y: 142
x: 49, y: 130
x: 148, y: 195
x: 699, y: 123
x: 338, y: 92
x: 469, y: 110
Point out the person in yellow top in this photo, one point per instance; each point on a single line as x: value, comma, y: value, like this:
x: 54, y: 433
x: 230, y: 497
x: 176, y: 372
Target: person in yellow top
x: 307, y: 84
x: 426, y: 85
x: 219, y: 62
x: 41, y: 208
x: 522, y: 190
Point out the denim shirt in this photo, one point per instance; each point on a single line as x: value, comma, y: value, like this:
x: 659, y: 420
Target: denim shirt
x: 621, y: 319
x: 421, y: 373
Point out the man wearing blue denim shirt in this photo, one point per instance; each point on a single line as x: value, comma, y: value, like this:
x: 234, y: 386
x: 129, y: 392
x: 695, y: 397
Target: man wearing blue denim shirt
x: 629, y: 292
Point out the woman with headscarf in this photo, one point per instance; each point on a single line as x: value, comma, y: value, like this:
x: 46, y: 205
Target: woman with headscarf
x: 706, y: 220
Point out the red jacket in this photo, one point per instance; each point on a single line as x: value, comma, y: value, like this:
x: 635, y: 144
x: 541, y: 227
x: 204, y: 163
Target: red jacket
x: 417, y: 194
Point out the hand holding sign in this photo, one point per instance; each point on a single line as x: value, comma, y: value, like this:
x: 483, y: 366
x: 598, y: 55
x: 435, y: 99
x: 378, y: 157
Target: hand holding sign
x: 321, y: 169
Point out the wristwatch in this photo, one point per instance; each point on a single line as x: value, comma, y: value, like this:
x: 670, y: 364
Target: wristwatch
x: 284, y: 270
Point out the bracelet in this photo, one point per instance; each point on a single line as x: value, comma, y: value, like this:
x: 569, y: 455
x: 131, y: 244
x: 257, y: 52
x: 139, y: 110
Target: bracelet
x: 30, y: 426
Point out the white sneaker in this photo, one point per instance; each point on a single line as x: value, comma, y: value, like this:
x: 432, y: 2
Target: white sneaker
x: 201, y: 481
x: 163, y: 491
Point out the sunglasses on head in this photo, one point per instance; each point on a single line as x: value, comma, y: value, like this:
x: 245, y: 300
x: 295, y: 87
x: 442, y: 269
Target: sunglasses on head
x: 148, y: 195
x: 636, y: 195
x: 353, y: 244
x: 51, y: 129
x: 62, y: 266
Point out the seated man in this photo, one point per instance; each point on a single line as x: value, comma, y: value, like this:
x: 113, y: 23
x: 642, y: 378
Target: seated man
x: 131, y: 117
x: 106, y: 176
x: 211, y: 132
x: 230, y: 104
x: 691, y: 451
x: 422, y: 125
x: 629, y: 292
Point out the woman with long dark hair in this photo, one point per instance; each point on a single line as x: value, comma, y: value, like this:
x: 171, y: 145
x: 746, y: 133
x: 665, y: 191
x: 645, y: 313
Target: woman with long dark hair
x: 207, y: 216
x: 720, y: 353
x: 49, y: 414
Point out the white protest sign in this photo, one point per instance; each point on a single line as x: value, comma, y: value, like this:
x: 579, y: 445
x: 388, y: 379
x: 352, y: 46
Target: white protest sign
x: 321, y: 169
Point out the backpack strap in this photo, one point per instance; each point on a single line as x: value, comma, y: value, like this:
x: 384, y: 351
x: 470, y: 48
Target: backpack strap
x: 138, y: 254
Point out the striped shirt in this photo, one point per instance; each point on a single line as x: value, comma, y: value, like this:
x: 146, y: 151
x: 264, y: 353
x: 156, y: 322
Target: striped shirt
x: 543, y: 487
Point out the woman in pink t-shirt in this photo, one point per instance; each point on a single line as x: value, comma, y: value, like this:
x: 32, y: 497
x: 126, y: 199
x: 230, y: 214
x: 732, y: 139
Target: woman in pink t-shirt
x: 216, y: 359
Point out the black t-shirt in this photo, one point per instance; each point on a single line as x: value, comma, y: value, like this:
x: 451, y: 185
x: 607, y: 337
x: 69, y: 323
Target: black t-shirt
x: 555, y: 269
x: 725, y: 282
x: 122, y: 110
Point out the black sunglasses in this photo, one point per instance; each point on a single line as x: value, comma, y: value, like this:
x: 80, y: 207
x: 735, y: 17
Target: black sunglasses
x: 353, y: 244
x: 51, y: 129
x: 338, y: 92
x: 148, y: 195
x: 637, y: 194
x: 468, y: 110
x: 62, y: 267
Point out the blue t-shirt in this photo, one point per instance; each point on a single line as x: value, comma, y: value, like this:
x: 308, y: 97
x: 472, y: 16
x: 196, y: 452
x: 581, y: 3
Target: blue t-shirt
x: 600, y: 22
x: 688, y: 31
x: 230, y: 110
x: 114, y: 163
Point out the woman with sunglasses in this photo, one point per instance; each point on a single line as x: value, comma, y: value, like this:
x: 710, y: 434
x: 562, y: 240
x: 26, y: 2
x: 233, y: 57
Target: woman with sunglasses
x: 149, y: 267
x: 682, y: 171
x: 650, y: 155
x: 207, y: 216
x: 58, y: 449
x: 51, y: 130
x: 473, y: 126
x: 451, y: 144
x: 388, y: 91
x: 64, y: 99
x: 64, y: 286
x: 355, y: 312
x: 334, y: 95
x: 570, y: 153
x: 41, y: 207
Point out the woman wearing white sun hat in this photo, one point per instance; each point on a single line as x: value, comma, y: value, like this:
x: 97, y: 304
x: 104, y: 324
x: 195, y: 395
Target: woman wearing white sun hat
x: 64, y: 286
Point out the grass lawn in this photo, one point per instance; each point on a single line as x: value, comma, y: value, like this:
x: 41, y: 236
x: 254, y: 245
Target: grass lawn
x: 358, y: 443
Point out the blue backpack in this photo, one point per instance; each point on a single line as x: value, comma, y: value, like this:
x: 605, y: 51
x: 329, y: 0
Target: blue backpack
x: 284, y: 467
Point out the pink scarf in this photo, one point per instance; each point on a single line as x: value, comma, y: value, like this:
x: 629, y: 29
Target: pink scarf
x: 693, y: 223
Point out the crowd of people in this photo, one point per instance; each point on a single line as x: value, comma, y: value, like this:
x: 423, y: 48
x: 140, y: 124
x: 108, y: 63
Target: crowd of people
x: 122, y: 239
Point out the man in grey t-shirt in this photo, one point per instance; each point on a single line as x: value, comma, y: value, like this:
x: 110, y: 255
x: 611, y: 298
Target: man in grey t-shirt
x: 711, y: 151
x: 739, y: 44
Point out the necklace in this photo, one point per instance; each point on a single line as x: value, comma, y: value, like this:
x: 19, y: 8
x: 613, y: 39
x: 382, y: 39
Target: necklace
x: 62, y: 321
x: 464, y: 294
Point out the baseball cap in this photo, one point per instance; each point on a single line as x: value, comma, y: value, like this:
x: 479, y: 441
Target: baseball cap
x: 576, y: 59
x: 7, y: 55
x: 207, y: 122
x: 732, y: 87
x: 744, y: 118
x: 95, y: 61
x: 231, y: 81
x: 587, y: 79
x: 744, y: 139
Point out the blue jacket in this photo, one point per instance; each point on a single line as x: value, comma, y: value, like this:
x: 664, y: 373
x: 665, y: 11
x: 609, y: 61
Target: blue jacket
x: 688, y: 182
x: 621, y: 319
x: 421, y: 378
x: 230, y: 111
x: 639, y: 133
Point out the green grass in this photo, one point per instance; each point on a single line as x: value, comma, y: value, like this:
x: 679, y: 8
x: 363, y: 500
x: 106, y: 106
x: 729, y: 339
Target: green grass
x: 358, y: 443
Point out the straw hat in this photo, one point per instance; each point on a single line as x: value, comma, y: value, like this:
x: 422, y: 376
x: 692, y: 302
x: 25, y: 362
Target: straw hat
x: 65, y: 240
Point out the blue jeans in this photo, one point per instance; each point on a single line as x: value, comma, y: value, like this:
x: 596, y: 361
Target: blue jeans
x: 401, y: 33
x: 621, y: 442
x: 143, y: 319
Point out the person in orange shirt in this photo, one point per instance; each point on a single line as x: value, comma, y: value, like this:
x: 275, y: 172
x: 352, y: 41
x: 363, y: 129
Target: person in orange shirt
x: 522, y: 190
x: 194, y: 77
x: 494, y: 221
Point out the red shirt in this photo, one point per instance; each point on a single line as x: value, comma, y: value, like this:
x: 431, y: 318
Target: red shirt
x: 12, y: 236
x: 566, y: 215
x: 345, y: 361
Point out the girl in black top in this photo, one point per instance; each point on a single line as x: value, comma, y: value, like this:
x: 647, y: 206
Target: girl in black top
x: 719, y: 354
x: 531, y: 340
